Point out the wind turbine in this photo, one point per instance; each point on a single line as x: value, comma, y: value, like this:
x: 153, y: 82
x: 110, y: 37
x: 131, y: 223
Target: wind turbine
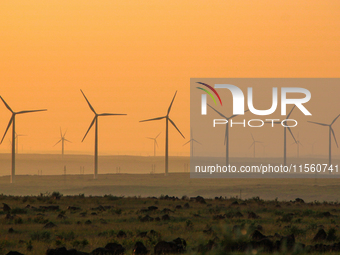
x: 17, y: 142
x: 95, y: 121
x: 298, y: 143
x: 12, y: 122
x: 285, y: 136
x: 226, y: 140
x: 331, y: 131
x: 254, y: 143
x: 154, y: 143
x: 192, y: 140
x: 62, y: 140
x: 167, y: 119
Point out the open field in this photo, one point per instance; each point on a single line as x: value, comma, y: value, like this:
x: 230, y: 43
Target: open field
x: 176, y: 184
x: 33, y: 225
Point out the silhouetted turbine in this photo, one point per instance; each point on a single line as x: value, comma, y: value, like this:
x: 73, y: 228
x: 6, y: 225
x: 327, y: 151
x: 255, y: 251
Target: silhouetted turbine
x: 167, y: 118
x: 192, y: 140
x: 331, y: 131
x: 154, y: 144
x: 17, y: 142
x: 298, y: 143
x: 226, y: 138
x: 62, y: 140
x: 12, y: 122
x: 254, y: 143
x: 285, y: 136
x: 95, y: 121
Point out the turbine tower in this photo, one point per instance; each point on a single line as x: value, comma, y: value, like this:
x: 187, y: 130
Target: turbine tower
x: 192, y: 140
x: 167, y: 119
x: 331, y: 132
x: 298, y: 143
x: 285, y: 135
x: 62, y: 140
x: 12, y: 122
x: 226, y: 139
x: 254, y: 143
x: 154, y: 144
x: 95, y: 121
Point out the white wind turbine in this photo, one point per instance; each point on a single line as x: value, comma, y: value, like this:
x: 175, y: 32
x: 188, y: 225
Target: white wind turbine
x: 95, y: 121
x: 62, y: 140
x: 12, y: 122
x: 254, y: 144
x: 298, y: 143
x: 226, y: 138
x: 285, y: 135
x: 331, y: 132
x: 154, y: 143
x: 167, y: 120
x: 192, y: 141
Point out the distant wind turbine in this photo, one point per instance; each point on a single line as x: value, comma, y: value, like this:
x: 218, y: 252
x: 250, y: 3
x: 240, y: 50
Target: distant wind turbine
x: 331, y: 132
x: 226, y: 139
x: 154, y: 143
x: 167, y: 118
x: 254, y: 144
x: 298, y: 143
x: 62, y: 140
x: 95, y: 121
x: 192, y: 141
x: 285, y: 136
x: 12, y: 122
x: 17, y: 142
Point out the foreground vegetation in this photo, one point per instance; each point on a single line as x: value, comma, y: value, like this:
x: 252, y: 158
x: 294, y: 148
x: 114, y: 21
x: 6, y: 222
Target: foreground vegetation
x: 33, y: 224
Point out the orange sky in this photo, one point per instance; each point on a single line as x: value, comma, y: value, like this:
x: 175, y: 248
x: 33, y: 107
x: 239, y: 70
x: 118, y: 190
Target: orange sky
x: 131, y: 56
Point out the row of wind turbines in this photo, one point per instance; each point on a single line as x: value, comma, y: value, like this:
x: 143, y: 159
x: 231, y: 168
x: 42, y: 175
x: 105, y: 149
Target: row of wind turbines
x: 167, y: 121
x: 286, y: 127
x: 95, y: 123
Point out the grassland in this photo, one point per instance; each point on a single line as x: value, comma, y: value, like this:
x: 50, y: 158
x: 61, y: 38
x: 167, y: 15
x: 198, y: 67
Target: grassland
x: 176, y: 184
x: 96, y: 220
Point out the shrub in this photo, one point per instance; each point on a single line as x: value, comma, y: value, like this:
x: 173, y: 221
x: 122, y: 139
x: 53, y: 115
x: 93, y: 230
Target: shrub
x: 41, y: 236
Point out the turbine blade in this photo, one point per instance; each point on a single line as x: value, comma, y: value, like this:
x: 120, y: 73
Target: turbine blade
x: 57, y: 143
x: 251, y: 145
x: 65, y: 133
x: 9, y: 124
x: 301, y: 144
x: 290, y: 131
x: 67, y: 140
x: 196, y: 141
x: 171, y: 102
x: 176, y: 127
x: 111, y: 114
x: 335, y: 119
x: 237, y: 114
x: 218, y: 112
x: 290, y: 112
x: 252, y: 137
x: 187, y: 142
x: 336, y: 142
x: 149, y: 138
x: 158, y: 135
x: 7, y: 106
x: 88, y: 103
x: 156, y: 143
x: 22, y: 112
x: 322, y: 124
x: 94, y: 119
x: 61, y: 134
x: 159, y: 118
